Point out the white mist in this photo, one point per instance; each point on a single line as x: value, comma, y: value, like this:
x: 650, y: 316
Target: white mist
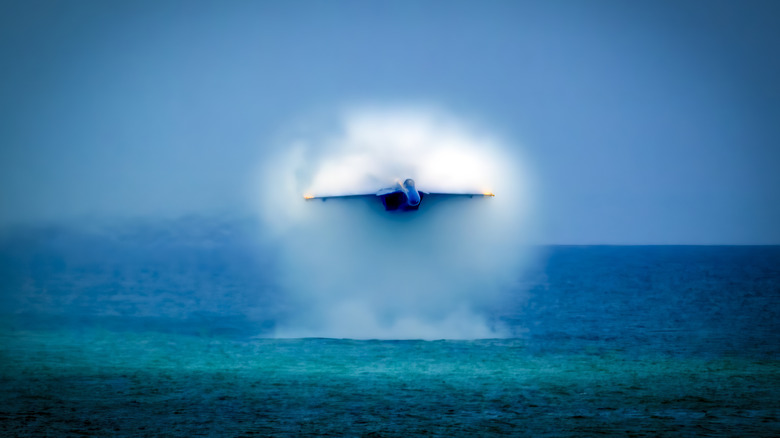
x: 350, y: 269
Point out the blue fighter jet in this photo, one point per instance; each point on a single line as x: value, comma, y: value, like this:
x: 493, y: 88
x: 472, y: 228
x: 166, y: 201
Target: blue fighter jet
x: 404, y: 196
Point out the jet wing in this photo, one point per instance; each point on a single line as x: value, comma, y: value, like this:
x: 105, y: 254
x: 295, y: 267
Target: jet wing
x: 325, y: 198
x: 382, y: 192
x: 468, y: 195
x: 387, y: 191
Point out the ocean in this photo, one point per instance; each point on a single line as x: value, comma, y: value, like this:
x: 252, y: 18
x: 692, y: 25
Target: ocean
x: 147, y: 334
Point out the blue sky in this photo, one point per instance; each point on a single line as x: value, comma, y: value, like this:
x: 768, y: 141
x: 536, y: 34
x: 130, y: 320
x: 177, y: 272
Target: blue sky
x: 643, y: 122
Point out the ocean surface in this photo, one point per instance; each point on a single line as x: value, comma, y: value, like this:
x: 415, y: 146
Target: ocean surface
x: 165, y: 331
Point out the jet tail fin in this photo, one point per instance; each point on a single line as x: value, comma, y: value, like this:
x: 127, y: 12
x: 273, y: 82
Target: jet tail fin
x: 387, y: 191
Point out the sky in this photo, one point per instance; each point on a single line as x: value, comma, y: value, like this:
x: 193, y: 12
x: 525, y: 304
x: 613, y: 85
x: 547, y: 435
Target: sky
x: 650, y: 122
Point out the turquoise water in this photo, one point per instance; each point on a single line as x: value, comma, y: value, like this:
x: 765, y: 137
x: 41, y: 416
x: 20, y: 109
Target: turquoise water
x: 108, y: 383
x: 146, y: 334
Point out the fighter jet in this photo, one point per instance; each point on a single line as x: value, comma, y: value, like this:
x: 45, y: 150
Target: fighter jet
x: 403, y: 196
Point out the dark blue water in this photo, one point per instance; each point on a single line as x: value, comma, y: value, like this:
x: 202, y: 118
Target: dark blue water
x: 162, y: 329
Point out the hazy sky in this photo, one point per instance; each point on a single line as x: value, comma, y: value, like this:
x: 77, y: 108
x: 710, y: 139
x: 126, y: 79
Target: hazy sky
x: 642, y: 122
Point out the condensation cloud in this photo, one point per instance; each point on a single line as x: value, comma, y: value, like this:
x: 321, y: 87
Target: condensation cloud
x: 350, y: 269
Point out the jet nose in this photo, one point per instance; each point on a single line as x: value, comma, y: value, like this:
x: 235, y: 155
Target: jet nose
x: 414, y: 198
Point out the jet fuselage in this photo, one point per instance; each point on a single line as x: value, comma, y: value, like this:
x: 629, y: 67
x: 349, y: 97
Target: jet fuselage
x: 405, y: 198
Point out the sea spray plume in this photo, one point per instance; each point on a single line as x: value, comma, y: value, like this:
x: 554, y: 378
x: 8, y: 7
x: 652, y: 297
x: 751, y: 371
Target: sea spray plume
x: 352, y: 270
